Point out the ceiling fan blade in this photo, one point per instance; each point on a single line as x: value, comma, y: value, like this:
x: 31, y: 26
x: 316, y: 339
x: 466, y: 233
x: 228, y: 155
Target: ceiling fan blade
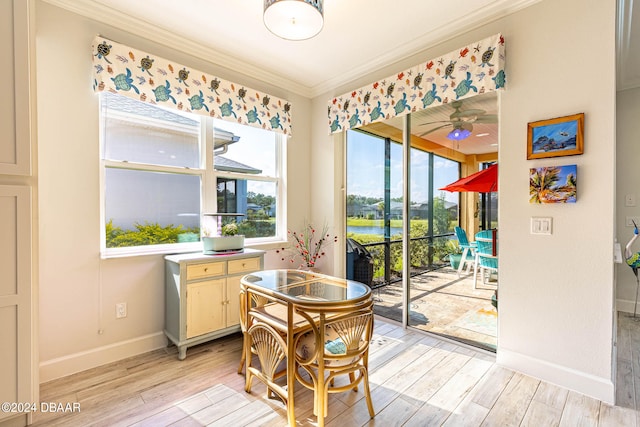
x: 461, y: 119
x: 434, y: 129
x: 473, y: 113
x: 487, y: 118
x: 431, y: 123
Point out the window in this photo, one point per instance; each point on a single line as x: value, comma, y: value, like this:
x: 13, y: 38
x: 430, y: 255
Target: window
x: 247, y: 170
x: 156, y: 184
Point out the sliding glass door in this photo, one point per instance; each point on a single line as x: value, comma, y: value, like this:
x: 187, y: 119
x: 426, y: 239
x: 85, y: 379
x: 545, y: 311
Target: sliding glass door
x: 375, y: 216
x: 374, y: 208
x: 400, y: 224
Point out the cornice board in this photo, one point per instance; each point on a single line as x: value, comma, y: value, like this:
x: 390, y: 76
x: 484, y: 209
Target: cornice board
x: 166, y: 38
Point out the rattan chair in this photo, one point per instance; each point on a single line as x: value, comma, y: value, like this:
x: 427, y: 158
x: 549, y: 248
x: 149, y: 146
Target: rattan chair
x: 256, y: 301
x: 291, y: 331
x: 333, y: 357
x: 270, y: 337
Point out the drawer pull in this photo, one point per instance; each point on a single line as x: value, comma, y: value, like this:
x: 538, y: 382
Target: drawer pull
x: 206, y: 269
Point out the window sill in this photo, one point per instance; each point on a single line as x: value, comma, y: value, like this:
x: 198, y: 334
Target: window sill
x: 179, y: 249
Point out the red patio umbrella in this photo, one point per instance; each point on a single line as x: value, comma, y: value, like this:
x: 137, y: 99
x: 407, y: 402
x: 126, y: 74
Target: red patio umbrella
x: 485, y: 181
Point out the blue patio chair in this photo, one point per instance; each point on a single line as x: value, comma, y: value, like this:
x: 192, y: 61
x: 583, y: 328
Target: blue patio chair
x: 468, y: 250
x: 486, y: 255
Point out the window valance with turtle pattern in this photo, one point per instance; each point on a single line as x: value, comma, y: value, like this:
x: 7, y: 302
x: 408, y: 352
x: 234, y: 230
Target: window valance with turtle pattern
x: 140, y: 75
x: 471, y: 70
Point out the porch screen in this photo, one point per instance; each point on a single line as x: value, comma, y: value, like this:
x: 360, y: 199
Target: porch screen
x: 469, y: 71
x: 140, y: 75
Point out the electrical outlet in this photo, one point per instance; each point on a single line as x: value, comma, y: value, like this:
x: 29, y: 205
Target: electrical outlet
x: 630, y: 219
x: 121, y: 310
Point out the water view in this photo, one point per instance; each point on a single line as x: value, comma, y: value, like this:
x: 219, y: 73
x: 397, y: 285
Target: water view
x: 361, y: 229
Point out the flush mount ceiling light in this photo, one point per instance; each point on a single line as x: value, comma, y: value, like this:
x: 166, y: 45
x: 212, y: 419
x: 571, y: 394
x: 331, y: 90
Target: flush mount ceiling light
x: 294, y: 19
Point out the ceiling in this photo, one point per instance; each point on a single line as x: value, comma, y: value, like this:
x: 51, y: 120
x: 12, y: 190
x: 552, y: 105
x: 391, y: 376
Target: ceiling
x: 484, y: 137
x: 358, y: 36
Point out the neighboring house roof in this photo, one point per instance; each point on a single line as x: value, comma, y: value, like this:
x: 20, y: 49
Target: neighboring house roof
x: 425, y: 205
x: 132, y: 106
x: 222, y: 137
x: 221, y: 163
x: 127, y: 105
x: 394, y: 205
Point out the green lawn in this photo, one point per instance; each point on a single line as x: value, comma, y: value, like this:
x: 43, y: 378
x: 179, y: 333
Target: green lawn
x: 363, y: 222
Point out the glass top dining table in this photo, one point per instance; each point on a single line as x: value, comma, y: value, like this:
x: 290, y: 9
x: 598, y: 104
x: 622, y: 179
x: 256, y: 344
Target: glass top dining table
x: 304, y: 287
x: 292, y: 304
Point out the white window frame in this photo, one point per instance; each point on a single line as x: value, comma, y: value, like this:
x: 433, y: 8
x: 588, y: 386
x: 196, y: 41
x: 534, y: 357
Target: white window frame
x: 208, y: 190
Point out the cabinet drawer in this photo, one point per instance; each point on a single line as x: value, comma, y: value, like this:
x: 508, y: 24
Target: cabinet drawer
x: 244, y: 265
x: 198, y: 271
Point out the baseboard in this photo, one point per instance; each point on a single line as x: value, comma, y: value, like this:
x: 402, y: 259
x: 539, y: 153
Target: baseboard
x: 626, y: 305
x: 67, y: 365
x: 16, y: 421
x: 589, y: 385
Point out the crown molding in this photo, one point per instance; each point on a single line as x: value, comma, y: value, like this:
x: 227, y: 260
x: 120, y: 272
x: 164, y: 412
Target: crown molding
x: 108, y: 16
x: 438, y: 35
x: 435, y: 37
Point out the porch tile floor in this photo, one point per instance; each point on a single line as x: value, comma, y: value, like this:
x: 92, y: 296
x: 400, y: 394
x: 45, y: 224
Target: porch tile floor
x: 443, y: 304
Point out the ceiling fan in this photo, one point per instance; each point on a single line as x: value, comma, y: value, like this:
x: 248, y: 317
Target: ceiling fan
x: 461, y: 121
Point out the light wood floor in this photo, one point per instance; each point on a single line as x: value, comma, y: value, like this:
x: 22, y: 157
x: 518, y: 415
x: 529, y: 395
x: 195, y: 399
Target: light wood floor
x: 628, y: 363
x: 416, y: 380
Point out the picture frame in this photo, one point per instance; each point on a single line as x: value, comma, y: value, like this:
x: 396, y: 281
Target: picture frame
x: 562, y: 136
x: 553, y: 184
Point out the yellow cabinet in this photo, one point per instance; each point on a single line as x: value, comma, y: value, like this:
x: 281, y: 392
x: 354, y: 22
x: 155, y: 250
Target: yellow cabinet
x: 202, y: 295
x: 233, y: 304
x: 205, y: 307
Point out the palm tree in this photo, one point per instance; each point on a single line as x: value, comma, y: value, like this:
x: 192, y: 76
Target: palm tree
x: 541, y: 183
x: 543, y: 186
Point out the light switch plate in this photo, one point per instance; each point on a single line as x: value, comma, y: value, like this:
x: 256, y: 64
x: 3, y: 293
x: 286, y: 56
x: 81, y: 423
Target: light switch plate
x: 541, y: 225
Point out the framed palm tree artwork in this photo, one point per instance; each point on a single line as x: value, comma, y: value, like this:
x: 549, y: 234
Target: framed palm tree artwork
x: 562, y: 136
x: 553, y: 184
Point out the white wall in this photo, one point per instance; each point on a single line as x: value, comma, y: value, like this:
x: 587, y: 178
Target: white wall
x: 78, y: 290
x: 627, y: 178
x: 557, y: 321
x: 556, y: 292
